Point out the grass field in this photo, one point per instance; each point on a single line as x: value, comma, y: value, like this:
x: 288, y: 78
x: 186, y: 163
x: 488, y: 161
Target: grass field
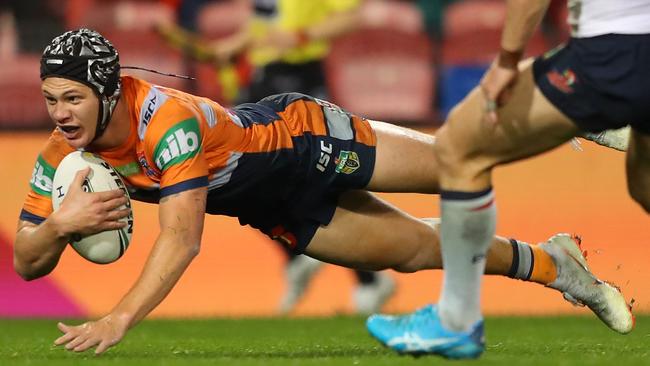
x: 326, y: 341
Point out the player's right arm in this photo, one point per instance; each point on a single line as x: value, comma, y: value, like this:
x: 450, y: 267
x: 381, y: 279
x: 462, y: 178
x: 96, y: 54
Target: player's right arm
x: 522, y: 18
x: 38, y: 247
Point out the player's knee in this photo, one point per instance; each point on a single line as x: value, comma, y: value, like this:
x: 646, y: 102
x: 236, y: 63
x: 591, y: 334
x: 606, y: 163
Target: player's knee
x: 409, y: 266
x: 451, y: 158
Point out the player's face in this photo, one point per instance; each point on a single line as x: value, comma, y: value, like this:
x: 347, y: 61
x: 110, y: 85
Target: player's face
x: 73, y: 107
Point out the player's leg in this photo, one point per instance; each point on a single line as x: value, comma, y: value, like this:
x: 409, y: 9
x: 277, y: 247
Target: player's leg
x: 405, y: 160
x: 467, y: 149
x: 299, y: 270
x: 413, y: 247
x: 372, y: 291
x: 369, y: 233
x: 638, y: 168
x: 528, y: 125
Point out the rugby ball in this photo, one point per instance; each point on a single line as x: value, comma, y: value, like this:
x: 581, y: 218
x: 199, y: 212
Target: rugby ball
x: 107, y: 246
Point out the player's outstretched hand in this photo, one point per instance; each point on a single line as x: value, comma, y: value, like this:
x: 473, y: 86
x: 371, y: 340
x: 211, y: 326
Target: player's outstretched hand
x: 103, y: 333
x: 86, y: 213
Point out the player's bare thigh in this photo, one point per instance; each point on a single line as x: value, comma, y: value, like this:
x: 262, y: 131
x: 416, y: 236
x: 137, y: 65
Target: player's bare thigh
x: 467, y: 146
x: 404, y: 160
x: 368, y: 233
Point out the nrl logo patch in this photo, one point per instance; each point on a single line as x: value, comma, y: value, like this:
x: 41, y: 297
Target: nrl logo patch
x: 564, y: 81
x: 347, y: 162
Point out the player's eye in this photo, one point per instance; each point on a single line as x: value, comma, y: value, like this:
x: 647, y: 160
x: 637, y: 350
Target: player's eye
x: 50, y: 100
x: 74, y: 99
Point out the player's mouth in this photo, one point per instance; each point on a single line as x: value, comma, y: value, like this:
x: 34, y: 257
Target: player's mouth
x: 70, y: 132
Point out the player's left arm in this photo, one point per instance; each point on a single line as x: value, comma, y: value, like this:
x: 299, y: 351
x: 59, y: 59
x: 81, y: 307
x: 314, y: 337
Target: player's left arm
x: 181, y: 224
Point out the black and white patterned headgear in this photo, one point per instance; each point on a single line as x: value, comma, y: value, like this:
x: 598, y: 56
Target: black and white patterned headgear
x: 85, y: 56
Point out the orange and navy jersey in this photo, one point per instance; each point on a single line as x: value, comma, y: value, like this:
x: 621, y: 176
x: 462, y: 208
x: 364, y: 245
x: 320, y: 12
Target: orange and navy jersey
x: 248, y: 156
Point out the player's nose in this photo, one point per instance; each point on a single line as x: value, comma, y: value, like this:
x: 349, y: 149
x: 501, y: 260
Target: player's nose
x: 60, y: 113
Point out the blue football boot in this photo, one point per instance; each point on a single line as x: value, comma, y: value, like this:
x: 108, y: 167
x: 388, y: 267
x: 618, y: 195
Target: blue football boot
x: 422, y: 333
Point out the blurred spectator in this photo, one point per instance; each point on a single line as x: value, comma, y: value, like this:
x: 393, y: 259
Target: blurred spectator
x: 286, y: 41
x: 8, y: 35
x: 187, y: 13
x: 35, y: 21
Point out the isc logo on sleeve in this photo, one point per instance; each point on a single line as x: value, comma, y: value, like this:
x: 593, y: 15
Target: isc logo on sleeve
x: 180, y: 143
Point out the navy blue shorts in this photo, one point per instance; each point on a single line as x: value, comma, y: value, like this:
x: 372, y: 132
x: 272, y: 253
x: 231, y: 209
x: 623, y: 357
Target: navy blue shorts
x: 289, y: 193
x: 601, y: 82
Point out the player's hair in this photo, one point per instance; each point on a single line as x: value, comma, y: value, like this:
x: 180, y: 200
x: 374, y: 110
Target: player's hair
x: 85, y: 56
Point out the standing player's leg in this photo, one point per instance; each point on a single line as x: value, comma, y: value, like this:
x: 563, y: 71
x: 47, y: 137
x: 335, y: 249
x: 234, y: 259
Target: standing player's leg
x: 468, y: 148
x: 638, y: 169
x: 366, y: 232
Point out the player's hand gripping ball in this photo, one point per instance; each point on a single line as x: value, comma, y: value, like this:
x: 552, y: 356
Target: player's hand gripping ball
x: 107, y: 246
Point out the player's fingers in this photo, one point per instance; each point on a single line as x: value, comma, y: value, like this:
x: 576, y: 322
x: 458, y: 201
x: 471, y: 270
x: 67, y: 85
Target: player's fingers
x: 88, y: 343
x: 64, y: 339
x: 80, y: 177
x: 62, y: 327
x: 490, y: 100
x: 491, y: 111
x: 103, y: 346
x: 502, y: 99
x: 118, y: 214
x: 109, y: 195
x: 112, y: 225
x: 493, y: 117
x: 75, y: 342
x: 490, y: 87
x: 67, y: 336
x: 114, y: 203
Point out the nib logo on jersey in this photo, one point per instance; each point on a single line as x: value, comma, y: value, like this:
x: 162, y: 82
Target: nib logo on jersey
x: 180, y: 143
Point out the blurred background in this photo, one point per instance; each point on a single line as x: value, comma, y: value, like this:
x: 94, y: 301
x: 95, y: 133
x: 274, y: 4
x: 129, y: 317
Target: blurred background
x: 406, y: 62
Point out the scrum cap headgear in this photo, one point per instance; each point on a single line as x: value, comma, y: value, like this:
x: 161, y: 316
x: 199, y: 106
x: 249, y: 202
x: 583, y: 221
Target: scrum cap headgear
x: 85, y: 56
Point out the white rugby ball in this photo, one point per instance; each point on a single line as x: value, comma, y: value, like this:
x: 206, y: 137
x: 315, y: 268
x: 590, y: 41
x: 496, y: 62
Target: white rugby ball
x: 107, y: 246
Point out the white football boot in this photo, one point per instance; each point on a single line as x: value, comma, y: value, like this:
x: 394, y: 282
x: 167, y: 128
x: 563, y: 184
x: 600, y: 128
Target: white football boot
x: 299, y: 272
x: 581, y: 287
x: 615, y: 139
x: 369, y: 298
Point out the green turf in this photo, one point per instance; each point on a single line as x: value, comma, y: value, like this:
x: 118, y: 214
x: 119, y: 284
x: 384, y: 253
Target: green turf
x: 326, y: 341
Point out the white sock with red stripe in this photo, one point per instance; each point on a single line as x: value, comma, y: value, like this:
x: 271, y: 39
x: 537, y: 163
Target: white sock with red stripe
x: 466, y: 231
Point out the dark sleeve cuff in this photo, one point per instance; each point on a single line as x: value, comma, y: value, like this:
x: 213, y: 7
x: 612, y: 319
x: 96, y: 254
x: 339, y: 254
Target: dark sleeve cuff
x: 34, y: 219
x: 184, y: 186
